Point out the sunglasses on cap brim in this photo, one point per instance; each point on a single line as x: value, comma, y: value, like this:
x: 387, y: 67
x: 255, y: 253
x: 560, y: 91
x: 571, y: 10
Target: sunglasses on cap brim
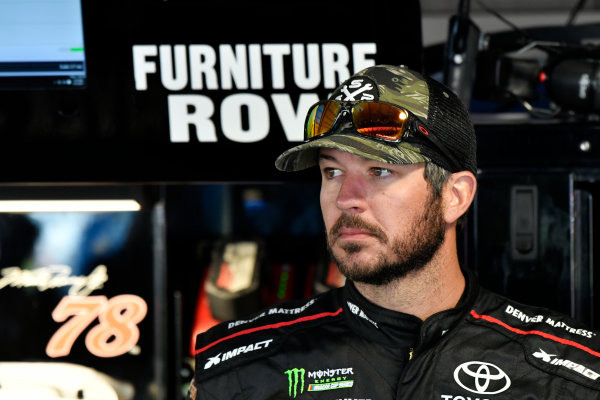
x: 373, y: 119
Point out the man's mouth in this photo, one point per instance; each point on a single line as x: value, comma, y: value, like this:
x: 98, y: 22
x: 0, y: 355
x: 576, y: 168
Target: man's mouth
x: 353, y: 228
x: 348, y: 233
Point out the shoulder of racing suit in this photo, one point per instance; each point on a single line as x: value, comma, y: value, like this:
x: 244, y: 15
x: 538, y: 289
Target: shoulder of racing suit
x: 238, y: 342
x: 535, y: 347
x: 551, y: 341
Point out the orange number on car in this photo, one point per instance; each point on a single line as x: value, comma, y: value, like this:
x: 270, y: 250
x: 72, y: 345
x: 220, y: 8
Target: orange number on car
x: 84, y: 310
x: 116, y: 334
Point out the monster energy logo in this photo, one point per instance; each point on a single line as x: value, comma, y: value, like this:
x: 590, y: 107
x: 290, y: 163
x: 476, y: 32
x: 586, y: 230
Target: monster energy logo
x: 293, y: 375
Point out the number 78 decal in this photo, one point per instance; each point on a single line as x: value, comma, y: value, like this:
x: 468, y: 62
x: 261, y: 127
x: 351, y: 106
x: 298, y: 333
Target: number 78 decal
x: 116, y: 333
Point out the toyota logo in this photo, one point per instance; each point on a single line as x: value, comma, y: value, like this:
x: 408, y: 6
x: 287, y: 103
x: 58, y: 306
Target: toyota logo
x: 481, y: 378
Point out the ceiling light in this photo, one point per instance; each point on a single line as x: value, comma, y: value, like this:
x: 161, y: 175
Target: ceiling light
x: 27, y: 206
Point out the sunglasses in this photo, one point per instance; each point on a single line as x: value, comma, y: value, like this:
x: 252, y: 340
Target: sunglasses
x: 373, y: 119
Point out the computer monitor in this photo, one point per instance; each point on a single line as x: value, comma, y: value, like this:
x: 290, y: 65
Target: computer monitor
x: 41, y: 45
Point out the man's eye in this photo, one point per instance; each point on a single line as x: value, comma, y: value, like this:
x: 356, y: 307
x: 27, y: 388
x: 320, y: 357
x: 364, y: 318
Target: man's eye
x: 381, y: 172
x: 331, y: 172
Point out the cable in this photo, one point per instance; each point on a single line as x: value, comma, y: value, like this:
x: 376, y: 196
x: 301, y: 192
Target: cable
x: 535, y: 111
x: 503, y: 19
x: 574, y: 11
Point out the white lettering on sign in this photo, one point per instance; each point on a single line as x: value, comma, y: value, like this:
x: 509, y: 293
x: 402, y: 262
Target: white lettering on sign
x: 142, y: 67
x: 233, y: 110
x: 291, y: 117
x: 203, y: 59
x: 173, y: 74
x: 244, y: 117
x: 196, y: 111
x: 187, y: 110
x: 306, y: 66
x: 241, y: 67
x: 276, y: 53
x: 336, y: 57
x: 233, y: 67
x: 54, y: 276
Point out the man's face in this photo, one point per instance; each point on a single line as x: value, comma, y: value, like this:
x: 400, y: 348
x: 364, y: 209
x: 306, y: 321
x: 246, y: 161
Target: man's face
x: 382, y: 220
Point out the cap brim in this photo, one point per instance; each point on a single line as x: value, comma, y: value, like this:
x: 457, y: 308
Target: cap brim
x: 306, y: 155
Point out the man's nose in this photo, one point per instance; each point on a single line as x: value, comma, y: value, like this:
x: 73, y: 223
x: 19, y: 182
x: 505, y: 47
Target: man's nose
x: 352, y: 194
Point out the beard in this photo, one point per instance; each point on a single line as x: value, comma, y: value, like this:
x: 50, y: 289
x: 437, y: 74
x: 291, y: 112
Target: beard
x: 410, y: 253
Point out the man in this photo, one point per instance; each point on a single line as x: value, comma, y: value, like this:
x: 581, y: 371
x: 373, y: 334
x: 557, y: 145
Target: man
x: 396, y: 152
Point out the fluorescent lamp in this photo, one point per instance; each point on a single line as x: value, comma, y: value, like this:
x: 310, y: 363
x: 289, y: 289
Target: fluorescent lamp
x: 24, y: 206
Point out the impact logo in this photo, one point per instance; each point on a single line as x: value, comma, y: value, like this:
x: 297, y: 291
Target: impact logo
x: 550, y: 359
x: 212, y: 361
x: 362, y: 89
x: 481, y: 378
x: 321, y: 380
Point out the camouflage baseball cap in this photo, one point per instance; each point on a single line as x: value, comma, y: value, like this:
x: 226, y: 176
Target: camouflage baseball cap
x: 433, y: 103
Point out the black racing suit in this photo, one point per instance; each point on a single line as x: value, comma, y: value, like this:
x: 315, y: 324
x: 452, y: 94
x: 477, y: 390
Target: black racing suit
x: 338, y: 345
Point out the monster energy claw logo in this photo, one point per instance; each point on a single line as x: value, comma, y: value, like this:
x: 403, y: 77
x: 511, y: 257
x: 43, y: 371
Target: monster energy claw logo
x: 295, y: 375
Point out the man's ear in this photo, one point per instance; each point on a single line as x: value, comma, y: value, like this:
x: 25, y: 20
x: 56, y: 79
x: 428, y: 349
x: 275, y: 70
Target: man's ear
x: 458, y: 195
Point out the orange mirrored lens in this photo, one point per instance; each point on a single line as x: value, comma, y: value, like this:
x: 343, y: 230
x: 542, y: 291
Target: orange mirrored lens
x: 379, y: 120
x: 321, y: 118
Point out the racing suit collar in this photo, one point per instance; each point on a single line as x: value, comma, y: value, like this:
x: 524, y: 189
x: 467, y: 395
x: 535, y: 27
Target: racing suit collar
x: 379, y: 324
x: 440, y: 323
x: 400, y: 329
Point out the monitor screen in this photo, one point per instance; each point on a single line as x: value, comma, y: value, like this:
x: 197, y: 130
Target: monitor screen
x: 41, y: 44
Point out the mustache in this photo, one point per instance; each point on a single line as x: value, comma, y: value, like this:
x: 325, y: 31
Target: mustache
x: 356, y: 222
